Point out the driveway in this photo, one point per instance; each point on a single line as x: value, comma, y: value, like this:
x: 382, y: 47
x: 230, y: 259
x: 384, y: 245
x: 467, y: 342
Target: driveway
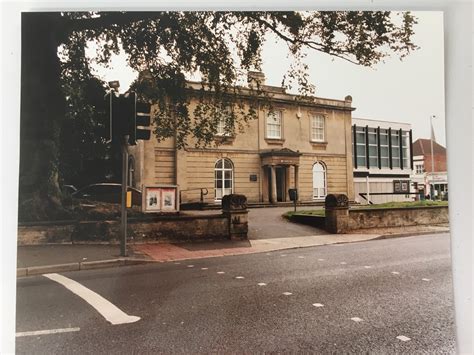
x: 265, y: 223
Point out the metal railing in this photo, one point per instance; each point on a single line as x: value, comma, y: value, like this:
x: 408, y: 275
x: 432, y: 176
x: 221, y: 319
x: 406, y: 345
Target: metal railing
x: 203, y: 192
x: 364, y: 194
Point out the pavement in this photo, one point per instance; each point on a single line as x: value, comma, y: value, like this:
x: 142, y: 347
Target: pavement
x: 268, y: 231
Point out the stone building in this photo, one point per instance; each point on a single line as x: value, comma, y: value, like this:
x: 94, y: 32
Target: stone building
x: 383, y: 161
x: 306, y: 145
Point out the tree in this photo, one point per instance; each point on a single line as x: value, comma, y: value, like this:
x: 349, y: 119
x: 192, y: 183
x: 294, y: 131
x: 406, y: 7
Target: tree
x: 168, y: 46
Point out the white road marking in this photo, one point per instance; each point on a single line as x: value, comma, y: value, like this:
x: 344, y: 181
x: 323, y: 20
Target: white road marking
x: 343, y: 263
x: 318, y: 304
x: 395, y: 273
x: 190, y: 265
x: 262, y: 284
x: 240, y: 277
x: 403, y: 338
x: 368, y: 267
x: 287, y: 293
x: 46, y: 332
x: 221, y: 272
x: 204, y: 268
x: 301, y: 257
x: 283, y: 255
x: 108, y: 310
x: 426, y: 279
x: 321, y: 259
x: 356, y: 319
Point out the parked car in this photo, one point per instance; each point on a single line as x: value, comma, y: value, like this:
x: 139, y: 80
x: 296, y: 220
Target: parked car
x: 107, y: 192
x: 69, y: 189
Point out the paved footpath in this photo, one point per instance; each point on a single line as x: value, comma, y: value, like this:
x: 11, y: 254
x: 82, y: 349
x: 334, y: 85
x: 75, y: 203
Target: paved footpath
x: 168, y: 252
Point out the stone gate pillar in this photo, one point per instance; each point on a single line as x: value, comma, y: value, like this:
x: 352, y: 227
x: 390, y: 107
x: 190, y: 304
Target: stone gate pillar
x: 234, y: 206
x: 337, y: 213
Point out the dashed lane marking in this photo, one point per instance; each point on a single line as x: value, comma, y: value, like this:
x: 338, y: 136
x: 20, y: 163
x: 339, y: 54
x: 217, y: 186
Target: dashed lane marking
x: 47, y: 332
x: 321, y: 259
x: 356, y: 319
x: 318, y: 304
x: 300, y: 257
x: 221, y: 272
x: 395, y: 273
x: 204, y: 268
x: 283, y: 255
x: 368, y: 267
x: 108, y: 310
x: 287, y: 293
x: 262, y: 284
x: 426, y: 280
x: 403, y: 338
x: 190, y: 265
x: 240, y: 277
x: 343, y: 263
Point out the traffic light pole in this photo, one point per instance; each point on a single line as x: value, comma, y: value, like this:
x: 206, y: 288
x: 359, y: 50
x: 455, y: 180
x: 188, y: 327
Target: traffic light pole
x: 123, y: 236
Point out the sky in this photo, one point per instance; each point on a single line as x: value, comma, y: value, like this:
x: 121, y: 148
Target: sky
x: 407, y: 91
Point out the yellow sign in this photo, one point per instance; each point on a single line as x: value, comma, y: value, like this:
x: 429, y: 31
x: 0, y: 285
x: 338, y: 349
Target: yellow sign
x: 129, y: 199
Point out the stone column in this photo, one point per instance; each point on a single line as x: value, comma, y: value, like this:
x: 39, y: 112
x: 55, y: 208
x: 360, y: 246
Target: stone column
x: 337, y: 213
x: 273, y: 196
x: 297, y: 179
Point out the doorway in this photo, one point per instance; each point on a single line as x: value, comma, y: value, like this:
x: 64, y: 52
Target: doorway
x: 280, y: 174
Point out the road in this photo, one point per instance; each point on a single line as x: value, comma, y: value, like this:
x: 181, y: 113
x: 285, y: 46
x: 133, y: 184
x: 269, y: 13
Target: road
x: 384, y: 296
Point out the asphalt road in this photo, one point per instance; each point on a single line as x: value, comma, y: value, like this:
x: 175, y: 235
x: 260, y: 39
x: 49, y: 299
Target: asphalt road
x: 348, y: 298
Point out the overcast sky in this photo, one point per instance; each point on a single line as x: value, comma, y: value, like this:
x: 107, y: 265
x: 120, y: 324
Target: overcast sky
x: 402, y: 91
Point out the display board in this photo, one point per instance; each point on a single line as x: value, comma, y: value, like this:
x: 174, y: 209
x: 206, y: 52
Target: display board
x: 160, y: 198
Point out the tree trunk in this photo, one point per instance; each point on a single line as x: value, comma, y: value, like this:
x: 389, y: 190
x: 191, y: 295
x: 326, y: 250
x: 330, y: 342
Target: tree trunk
x: 42, y: 109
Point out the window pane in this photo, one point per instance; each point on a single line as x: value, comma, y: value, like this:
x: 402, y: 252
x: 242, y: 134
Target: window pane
x: 373, y: 151
x: 228, y: 175
x: 384, y: 162
x: 360, y: 150
x: 372, y: 138
x: 227, y: 164
x: 227, y: 183
x: 219, y: 164
x: 384, y: 151
x: 396, y: 162
x: 219, y: 174
x: 360, y: 137
x: 361, y: 161
x: 373, y: 162
x: 219, y: 184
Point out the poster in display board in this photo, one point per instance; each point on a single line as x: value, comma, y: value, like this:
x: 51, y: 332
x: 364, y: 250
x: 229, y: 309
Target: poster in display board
x: 160, y: 198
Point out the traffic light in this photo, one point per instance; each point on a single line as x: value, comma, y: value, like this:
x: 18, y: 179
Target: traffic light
x: 139, y: 120
x: 126, y: 116
x: 116, y: 125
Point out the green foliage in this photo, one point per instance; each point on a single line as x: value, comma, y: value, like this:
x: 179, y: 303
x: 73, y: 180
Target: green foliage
x: 221, y: 47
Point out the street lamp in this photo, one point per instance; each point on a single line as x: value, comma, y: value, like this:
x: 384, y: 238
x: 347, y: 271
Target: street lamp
x: 432, y: 117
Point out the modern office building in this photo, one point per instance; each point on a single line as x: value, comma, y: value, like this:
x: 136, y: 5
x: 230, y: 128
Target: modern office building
x: 382, y: 159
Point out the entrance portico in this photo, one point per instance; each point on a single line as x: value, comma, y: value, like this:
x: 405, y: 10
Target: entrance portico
x: 276, y: 166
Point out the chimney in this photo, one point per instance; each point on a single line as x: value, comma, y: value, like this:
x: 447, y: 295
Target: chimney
x: 255, y: 77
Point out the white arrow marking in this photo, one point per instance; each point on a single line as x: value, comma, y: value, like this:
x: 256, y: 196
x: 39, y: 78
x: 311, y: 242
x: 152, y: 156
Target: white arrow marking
x: 108, y: 310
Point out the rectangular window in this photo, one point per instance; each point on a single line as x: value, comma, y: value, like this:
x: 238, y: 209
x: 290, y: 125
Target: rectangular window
x: 419, y: 168
x: 384, y: 154
x: 405, y: 149
x: 360, y: 148
x: 274, y: 124
x: 317, y: 128
x: 222, y: 130
x: 395, y: 150
x: 373, y: 148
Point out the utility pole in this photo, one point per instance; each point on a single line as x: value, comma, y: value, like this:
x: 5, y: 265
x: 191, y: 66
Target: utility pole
x: 128, y: 122
x: 123, y: 225
x: 432, y: 157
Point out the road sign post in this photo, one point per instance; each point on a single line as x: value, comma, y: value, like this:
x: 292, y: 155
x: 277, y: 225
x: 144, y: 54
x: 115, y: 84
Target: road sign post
x: 123, y: 220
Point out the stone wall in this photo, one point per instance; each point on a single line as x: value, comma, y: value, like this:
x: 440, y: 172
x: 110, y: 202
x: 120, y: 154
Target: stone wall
x: 397, y: 217
x: 161, y: 229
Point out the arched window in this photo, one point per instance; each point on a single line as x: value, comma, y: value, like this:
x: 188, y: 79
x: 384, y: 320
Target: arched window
x: 319, y: 181
x: 223, y: 178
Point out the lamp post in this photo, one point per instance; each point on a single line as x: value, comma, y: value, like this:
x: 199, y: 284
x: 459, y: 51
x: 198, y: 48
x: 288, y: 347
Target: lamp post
x: 432, y: 156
